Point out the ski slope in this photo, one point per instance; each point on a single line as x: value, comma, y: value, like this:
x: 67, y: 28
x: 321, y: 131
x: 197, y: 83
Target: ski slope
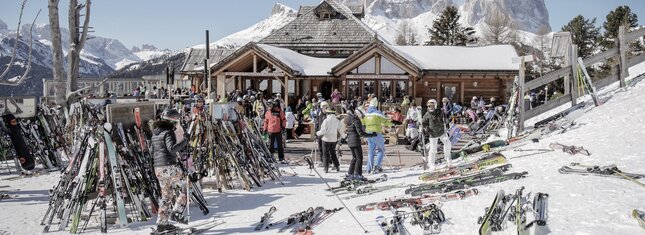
x: 612, y: 132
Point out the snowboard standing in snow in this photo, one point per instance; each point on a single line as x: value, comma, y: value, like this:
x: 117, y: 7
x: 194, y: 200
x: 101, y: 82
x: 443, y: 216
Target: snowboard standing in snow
x: 22, y: 152
x: 493, y: 214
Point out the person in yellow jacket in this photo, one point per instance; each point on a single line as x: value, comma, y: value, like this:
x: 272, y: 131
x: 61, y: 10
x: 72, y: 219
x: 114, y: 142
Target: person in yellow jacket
x: 374, y: 122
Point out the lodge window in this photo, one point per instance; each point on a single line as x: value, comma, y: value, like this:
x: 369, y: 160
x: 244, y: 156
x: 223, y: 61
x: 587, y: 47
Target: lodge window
x: 369, y: 67
x: 369, y: 87
x: 401, y: 89
x: 263, y: 86
x: 276, y: 87
x: 353, y: 89
x: 387, y: 67
x: 385, y: 89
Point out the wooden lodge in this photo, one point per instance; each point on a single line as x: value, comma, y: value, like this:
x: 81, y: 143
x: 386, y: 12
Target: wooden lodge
x: 328, y: 47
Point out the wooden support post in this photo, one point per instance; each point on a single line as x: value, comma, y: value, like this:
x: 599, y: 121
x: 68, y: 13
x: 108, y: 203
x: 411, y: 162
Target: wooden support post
x: 221, y: 86
x: 255, y: 63
x: 574, y: 75
x: 520, y: 123
x: 622, y: 47
x: 461, y: 92
x: 377, y: 63
x: 286, y: 90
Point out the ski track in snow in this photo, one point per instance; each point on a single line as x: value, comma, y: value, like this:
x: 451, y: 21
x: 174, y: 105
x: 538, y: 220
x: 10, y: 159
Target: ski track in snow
x: 612, y: 132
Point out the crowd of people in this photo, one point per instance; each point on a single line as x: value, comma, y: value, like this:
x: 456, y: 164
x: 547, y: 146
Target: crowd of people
x: 355, y: 122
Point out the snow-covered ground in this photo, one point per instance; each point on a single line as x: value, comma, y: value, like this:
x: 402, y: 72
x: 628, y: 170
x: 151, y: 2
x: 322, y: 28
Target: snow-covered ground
x: 613, y: 133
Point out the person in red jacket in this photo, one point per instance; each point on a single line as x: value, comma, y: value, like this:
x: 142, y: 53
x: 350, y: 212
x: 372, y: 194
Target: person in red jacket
x: 274, y: 123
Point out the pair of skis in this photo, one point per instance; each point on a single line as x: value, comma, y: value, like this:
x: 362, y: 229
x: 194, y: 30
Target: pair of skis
x: 421, y: 200
x: 489, y: 177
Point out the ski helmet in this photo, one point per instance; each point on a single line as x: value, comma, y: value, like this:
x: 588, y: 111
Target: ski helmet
x: 171, y: 115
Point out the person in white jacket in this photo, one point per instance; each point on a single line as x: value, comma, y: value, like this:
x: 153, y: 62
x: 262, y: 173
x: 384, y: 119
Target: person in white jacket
x: 291, y: 119
x: 330, y: 129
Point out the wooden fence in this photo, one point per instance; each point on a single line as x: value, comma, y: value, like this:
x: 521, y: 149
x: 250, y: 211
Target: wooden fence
x: 569, y: 73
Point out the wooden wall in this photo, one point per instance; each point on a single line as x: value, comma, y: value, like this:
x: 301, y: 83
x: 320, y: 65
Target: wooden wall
x: 488, y: 85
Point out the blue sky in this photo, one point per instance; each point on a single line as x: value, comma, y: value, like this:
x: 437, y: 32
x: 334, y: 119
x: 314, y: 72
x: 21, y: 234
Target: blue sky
x: 180, y: 24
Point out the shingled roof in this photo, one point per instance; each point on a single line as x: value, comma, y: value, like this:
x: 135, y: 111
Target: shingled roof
x: 330, y: 26
x: 195, y: 60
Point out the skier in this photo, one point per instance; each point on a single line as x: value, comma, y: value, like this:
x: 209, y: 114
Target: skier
x: 274, y: 123
x: 405, y: 105
x: 329, y: 131
x: 291, y: 119
x: 168, y: 138
x: 435, y: 127
x: 355, y: 130
x: 374, y: 122
x: 318, y: 115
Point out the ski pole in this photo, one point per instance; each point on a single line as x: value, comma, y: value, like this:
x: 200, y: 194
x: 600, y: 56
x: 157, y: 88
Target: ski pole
x: 311, y: 167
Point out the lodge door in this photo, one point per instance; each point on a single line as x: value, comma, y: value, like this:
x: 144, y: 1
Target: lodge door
x: 326, y: 89
x: 450, y: 90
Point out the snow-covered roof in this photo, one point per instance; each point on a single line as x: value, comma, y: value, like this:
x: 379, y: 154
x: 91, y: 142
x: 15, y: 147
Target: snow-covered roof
x: 195, y: 60
x: 306, y: 65
x: 497, y: 57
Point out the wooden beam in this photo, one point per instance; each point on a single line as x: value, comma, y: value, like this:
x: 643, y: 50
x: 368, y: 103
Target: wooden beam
x: 286, y: 90
x: 461, y: 92
x: 546, y: 107
x: 634, y: 35
x: 602, y: 56
x: 635, y: 60
x: 573, y: 90
x: 552, y: 76
x: 622, y: 46
x: 255, y: 63
x: 607, y: 81
x: 221, y: 86
x: 377, y: 64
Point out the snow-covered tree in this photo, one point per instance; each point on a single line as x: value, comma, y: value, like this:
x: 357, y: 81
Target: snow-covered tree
x: 446, y: 30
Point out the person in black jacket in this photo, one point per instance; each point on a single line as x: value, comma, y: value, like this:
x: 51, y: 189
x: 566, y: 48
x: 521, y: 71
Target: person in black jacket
x: 355, y: 130
x: 164, y: 147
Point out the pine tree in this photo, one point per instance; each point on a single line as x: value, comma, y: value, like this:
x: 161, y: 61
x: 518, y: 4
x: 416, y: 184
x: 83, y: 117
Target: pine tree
x: 405, y: 35
x: 446, y: 30
x: 584, y: 34
x: 621, y: 16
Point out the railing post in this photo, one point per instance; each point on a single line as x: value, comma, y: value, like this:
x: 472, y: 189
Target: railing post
x: 574, y: 74
x: 520, y: 100
x: 622, y: 47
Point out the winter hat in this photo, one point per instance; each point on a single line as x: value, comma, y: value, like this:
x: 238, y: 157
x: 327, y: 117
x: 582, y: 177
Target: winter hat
x: 171, y: 115
x: 373, y: 102
x: 324, y: 105
x: 431, y: 101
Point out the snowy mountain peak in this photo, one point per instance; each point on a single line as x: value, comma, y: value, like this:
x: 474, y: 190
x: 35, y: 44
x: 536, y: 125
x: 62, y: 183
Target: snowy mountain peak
x: 280, y: 16
x: 280, y: 8
x: 3, y: 25
x: 529, y: 15
x: 403, y: 9
x: 144, y: 47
